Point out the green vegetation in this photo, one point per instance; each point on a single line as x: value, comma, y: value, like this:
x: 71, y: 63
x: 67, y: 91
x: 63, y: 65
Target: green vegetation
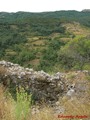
x: 50, y: 41
x: 75, y: 54
x: 50, y: 55
x: 23, y: 104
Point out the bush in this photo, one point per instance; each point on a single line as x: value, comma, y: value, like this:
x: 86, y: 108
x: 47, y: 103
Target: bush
x: 75, y: 54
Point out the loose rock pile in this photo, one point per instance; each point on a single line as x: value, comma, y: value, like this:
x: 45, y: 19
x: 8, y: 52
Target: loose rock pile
x: 42, y: 85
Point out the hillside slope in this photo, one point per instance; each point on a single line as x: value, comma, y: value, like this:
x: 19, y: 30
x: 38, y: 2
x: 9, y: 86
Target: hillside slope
x: 39, y: 40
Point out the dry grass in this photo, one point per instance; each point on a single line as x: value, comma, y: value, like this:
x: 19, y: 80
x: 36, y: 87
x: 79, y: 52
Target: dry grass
x: 35, y: 62
x: 7, y: 109
x: 2, y: 70
x: 75, y: 107
x: 39, y: 42
x: 45, y: 113
x: 77, y: 29
x: 6, y: 106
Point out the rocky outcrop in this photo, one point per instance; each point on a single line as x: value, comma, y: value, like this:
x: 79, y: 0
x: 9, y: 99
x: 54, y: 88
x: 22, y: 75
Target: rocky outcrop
x: 42, y: 85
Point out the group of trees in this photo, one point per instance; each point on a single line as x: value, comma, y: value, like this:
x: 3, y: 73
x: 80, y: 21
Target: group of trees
x: 45, y: 27
x: 9, y: 37
x: 50, y: 55
x: 73, y: 55
x: 16, y: 28
x: 76, y: 54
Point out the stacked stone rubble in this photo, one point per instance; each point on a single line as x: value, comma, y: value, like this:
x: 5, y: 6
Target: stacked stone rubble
x: 42, y: 85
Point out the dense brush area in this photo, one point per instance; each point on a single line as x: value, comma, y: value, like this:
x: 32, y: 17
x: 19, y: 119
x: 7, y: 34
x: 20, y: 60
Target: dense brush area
x: 50, y: 41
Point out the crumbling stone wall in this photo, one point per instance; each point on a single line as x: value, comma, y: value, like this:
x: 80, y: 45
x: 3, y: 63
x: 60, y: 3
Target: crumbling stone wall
x: 42, y: 85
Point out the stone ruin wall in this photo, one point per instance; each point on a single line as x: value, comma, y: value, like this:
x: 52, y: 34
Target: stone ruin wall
x: 39, y: 83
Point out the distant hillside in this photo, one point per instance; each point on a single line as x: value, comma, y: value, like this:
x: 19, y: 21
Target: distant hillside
x: 86, y: 10
x: 63, y: 15
x: 51, y: 41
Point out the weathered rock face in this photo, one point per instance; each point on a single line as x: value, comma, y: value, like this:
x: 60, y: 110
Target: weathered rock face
x: 42, y: 85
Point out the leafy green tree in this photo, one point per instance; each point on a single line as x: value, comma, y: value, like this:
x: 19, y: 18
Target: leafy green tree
x: 76, y: 52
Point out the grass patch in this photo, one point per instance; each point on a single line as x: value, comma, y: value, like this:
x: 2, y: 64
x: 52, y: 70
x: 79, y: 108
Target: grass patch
x: 23, y: 104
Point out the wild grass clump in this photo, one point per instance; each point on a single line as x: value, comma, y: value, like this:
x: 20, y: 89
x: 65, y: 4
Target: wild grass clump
x: 11, y: 109
x: 23, y: 104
